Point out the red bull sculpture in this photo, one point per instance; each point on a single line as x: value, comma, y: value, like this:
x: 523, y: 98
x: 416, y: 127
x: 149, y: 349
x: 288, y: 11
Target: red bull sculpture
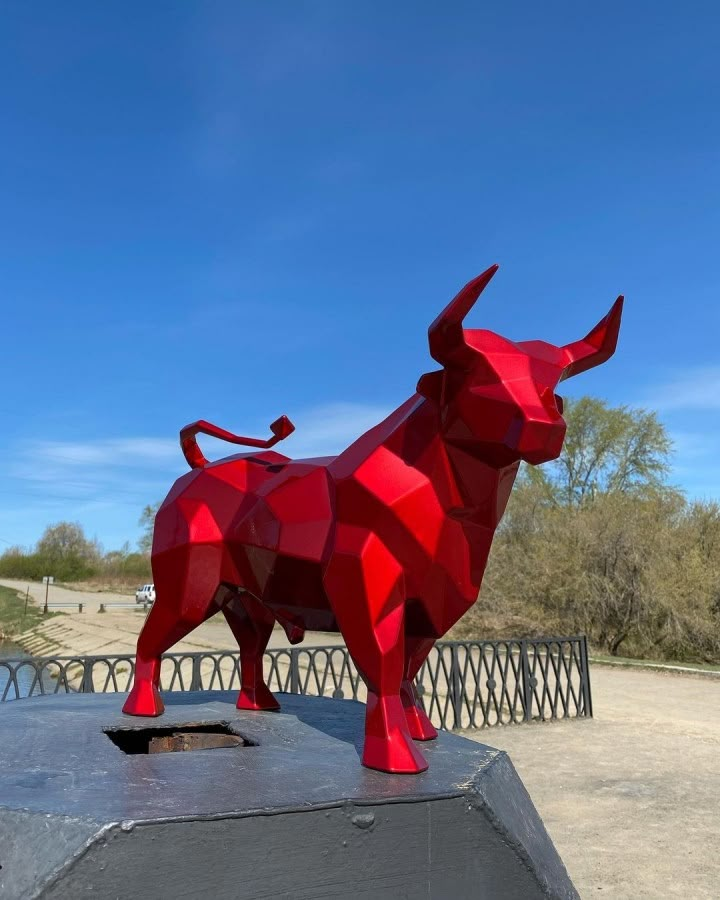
x: 386, y: 543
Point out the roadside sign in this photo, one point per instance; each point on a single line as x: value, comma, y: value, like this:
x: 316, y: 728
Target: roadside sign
x: 47, y: 581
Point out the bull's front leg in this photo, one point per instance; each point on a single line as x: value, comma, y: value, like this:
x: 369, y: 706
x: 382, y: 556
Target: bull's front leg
x: 365, y: 585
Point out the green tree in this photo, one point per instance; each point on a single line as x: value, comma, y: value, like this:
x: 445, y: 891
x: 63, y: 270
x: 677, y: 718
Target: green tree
x: 121, y: 566
x: 607, y: 449
x: 65, y: 552
x: 66, y: 540
x: 599, y: 543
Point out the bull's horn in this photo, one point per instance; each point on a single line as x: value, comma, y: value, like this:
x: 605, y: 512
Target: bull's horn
x: 446, y: 332
x: 597, y: 347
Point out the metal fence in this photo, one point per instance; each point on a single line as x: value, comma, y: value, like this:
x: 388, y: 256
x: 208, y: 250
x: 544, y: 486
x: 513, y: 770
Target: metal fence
x: 463, y: 684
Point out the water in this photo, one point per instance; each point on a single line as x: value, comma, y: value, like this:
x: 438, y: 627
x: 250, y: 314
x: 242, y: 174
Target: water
x: 25, y: 675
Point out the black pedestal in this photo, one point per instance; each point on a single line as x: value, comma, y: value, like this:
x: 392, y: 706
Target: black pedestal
x: 285, y: 811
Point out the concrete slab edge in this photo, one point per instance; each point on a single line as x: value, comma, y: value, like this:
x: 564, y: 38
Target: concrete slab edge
x: 654, y: 667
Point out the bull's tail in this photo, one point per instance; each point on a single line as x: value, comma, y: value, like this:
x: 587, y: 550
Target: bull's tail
x: 280, y: 428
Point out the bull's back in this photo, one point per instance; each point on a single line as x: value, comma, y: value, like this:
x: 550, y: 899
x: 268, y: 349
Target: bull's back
x: 204, y: 503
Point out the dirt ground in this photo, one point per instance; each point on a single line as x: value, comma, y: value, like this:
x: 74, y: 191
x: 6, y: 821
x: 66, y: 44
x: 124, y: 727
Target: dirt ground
x: 632, y: 797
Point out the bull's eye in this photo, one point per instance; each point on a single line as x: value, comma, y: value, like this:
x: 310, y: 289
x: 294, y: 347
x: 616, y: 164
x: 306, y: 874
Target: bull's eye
x: 482, y: 373
x: 559, y: 403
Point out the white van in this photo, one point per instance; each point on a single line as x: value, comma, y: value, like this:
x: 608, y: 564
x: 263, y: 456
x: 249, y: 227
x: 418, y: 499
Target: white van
x: 145, y: 594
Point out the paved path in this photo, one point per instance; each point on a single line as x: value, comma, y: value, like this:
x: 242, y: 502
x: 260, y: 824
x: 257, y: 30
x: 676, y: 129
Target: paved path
x: 90, y: 600
x: 631, y: 798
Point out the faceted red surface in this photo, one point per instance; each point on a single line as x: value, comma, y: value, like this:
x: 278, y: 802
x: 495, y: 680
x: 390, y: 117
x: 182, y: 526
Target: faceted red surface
x: 386, y: 543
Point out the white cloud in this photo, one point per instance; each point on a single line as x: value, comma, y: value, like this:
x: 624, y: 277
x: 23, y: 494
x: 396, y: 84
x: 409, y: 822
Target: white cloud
x: 105, y: 452
x: 695, y: 388
x: 330, y: 428
x: 144, y: 466
x: 694, y: 446
x: 319, y: 431
x: 105, y: 483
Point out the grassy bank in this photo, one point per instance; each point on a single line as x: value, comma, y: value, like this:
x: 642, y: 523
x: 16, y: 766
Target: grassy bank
x: 13, y: 617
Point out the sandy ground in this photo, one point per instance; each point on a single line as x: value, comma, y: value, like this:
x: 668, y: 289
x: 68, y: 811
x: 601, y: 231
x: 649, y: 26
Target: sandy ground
x: 90, y: 600
x: 631, y: 798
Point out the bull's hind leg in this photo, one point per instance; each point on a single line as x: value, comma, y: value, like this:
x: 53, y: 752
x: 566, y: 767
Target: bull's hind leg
x: 365, y: 585
x: 252, y: 625
x: 181, y: 604
x: 416, y: 651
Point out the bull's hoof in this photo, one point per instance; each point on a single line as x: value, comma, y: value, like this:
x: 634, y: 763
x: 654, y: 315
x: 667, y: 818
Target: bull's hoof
x: 144, y: 700
x: 388, y: 745
x: 419, y: 726
x: 396, y: 754
x: 295, y: 634
x: 257, y: 698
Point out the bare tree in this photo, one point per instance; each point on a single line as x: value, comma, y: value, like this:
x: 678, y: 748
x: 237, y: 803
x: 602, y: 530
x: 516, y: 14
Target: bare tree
x: 66, y: 540
x: 147, y: 523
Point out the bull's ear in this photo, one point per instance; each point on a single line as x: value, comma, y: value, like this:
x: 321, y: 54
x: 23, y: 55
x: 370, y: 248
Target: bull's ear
x: 446, y: 332
x: 430, y: 385
x: 597, y: 347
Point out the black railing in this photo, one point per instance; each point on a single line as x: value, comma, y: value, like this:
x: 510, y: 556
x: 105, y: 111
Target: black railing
x: 463, y: 684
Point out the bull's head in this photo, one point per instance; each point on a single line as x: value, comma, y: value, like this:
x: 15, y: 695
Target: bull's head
x: 497, y: 398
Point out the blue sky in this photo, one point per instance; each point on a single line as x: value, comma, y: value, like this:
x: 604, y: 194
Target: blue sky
x: 233, y: 210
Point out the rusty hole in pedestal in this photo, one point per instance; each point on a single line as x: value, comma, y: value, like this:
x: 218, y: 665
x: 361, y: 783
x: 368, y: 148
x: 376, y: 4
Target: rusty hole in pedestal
x: 177, y: 738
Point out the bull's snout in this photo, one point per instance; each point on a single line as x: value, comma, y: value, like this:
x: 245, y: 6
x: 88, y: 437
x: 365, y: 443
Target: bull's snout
x: 541, y: 439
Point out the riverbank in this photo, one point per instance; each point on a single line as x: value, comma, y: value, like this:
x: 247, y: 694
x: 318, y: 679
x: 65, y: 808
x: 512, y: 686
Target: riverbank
x: 16, y: 615
x: 115, y: 632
